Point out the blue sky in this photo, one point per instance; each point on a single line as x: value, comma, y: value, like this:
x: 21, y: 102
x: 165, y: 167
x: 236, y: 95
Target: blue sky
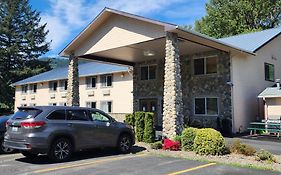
x: 66, y: 18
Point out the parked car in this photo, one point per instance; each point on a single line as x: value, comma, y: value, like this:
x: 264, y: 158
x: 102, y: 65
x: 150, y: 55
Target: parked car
x: 3, y: 120
x: 58, y: 131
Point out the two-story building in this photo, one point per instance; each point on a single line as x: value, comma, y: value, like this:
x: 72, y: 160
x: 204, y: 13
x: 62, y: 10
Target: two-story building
x: 103, y: 86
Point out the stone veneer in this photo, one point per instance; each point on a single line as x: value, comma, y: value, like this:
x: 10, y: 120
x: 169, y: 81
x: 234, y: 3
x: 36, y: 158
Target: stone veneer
x: 73, y: 82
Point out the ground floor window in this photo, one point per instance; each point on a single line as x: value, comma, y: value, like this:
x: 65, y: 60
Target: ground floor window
x: 106, y: 106
x: 52, y: 104
x: 206, y: 106
x: 91, y: 104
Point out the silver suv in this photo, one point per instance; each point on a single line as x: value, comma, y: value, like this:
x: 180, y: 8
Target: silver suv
x: 58, y: 131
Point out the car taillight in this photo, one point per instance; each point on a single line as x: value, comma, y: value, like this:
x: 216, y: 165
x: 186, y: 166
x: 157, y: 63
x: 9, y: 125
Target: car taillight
x: 31, y: 125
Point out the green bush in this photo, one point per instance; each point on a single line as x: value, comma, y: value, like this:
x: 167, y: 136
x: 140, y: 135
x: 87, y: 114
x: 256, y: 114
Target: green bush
x: 139, y: 123
x: 177, y: 138
x: 130, y: 119
x: 156, y: 145
x: 264, y: 155
x: 187, y: 138
x: 239, y: 148
x: 149, y: 132
x: 209, y: 141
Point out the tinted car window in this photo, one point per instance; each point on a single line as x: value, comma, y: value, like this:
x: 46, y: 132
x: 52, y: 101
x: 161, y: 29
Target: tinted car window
x: 57, y: 115
x: 26, y: 114
x: 96, y: 116
x: 77, y: 115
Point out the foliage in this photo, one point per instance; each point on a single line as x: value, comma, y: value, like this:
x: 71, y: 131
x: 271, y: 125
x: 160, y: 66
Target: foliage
x: 187, y: 138
x: 239, y: 148
x: 209, y: 141
x: 264, y: 155
x: 149, y: 131
x: 139, y: 123
x: 130, y: 119
x: 156, y: 145
x: 22, y: 41
x: 226, y: 18
x: 177, y: 138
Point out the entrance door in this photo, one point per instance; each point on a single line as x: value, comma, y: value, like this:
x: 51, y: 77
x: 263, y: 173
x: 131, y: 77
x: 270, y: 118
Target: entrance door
x: 150, y: 105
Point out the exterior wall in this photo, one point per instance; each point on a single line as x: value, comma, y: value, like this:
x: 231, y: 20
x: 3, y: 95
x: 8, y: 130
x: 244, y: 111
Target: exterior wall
x: 210, y: 85
x: 120, y: 93
x: 249, y: 80
x: 274, y: 107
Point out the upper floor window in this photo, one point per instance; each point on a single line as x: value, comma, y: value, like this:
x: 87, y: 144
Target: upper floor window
x: 148, y: 72
x: 106, y: 106
x: 206, y: 106
x: 207, y: 65
x: 91, y: 104
x: 33, y: 88
x: 63, y: 85
x: 24, y: 89
x: 91, y: 82
x: 53, y: 85
x: 269, y: 72
x: 106, y: 80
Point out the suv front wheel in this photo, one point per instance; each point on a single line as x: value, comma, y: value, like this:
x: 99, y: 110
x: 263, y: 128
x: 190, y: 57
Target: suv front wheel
x: 124, y: 144
x: 60, y: 150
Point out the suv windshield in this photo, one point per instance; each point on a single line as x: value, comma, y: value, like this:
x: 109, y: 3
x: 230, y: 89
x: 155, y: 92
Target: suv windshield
x: 26, y: 113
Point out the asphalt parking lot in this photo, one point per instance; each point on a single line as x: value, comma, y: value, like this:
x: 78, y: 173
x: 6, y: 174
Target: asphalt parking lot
x: 106, y: 162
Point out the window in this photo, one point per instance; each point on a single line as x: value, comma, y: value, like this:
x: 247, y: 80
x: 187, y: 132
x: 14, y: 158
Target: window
x: 91, y: 104
x: 269, y: 72
x: 52, y: 104
x: 106, y: 106
x: 148, y: 72
x: 91, y: 82
x: 96, y: 116
x: 206, y: 106
x: 53, y: 85
x: 32, y: 104
x: 23, y: 105
x: 57, y: 115
x: 33, y: 88
x: 77, y: 115
x: 63, y: 85
x: 106, y: 80
x: 24, y: 89
x: 206, y: 65
x: 62, y: 104
x: 26, y: 113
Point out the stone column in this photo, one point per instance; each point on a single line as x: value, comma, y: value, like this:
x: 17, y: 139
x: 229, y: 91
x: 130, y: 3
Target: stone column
x: 172, y: 115
x: 73, y: 82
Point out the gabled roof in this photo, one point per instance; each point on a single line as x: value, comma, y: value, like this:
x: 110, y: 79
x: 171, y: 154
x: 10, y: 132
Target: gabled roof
x: 85, y: 69
x: 270, y: 92
x: 253, y: 41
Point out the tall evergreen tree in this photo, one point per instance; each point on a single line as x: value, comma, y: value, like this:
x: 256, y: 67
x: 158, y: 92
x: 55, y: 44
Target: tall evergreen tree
x: 231, y: 17
x: 22, y: 41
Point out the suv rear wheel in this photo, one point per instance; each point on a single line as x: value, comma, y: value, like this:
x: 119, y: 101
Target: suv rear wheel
x: 124, y: 144
x: 60, y: 150
x: 4, y: 149
x: 28, y: 154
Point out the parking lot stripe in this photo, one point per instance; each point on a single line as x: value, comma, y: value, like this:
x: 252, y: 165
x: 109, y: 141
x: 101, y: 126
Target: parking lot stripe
x: 87, y: 163
x: 10, y: 155
x: 192, y: 169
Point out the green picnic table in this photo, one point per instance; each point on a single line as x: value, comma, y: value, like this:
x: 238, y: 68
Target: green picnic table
x: 265, y: 126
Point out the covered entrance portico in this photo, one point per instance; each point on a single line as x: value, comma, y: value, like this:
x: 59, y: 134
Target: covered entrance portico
x: 154, y: 49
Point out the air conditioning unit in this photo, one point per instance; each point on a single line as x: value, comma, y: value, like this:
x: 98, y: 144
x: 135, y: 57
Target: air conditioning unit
x: 32, y: 97
x: 91, y: 93
x: 52, y: 96
x: 23, y: 97
x: 63, y: 95
x: 106, y: 92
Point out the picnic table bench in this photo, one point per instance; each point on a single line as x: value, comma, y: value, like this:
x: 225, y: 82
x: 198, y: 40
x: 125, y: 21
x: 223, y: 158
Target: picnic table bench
x: 266, y: 126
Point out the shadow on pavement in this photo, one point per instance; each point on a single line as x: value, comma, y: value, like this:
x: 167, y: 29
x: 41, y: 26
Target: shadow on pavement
x: 89, y: 154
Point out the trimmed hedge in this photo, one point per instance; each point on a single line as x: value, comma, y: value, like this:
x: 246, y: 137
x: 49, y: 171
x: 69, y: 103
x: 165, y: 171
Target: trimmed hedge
x: 149, y: 132
x: 209, y: 142
x: 156, y: 145
x: 240, y: 148
x: 187, y: 138
x: 139, y: 123
x: 130, y: 119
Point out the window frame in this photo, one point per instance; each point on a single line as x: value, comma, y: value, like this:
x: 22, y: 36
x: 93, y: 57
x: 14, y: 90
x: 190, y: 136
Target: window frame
x: 89, y: 82
x: 51, y: 87
x: 31, y: 88
x: 206, y: 107
x: 91, y: 104
x: 265, y: 77
x: 106, y: 80
x: 108, y: 101
x: 63, y: 84
x: 148, y: 72
x: 25, y: 91
x: 205, y: 65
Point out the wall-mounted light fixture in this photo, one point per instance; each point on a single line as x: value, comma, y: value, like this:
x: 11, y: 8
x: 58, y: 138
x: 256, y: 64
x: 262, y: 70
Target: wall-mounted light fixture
x: 148, y: 53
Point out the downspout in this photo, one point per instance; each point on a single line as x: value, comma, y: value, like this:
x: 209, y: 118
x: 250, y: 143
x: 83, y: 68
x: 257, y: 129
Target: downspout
x: 232, y: 94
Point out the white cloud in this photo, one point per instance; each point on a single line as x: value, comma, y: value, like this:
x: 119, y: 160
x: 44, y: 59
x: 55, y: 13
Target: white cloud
x: 66, y: 17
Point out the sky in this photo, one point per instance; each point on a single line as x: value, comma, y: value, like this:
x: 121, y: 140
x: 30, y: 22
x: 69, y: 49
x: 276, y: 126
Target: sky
x: 67, y: 18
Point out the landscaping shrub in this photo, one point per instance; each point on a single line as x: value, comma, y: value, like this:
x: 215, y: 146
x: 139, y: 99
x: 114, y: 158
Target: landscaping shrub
x: 209, y: 141
x: 156, y: 145
x: 187, y: 138
x: 139, y: 123
x: 264, y: 155
x: 149, y: 131
x: 177, y: 138
x: 130, y: 119
x: 239, y: 148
